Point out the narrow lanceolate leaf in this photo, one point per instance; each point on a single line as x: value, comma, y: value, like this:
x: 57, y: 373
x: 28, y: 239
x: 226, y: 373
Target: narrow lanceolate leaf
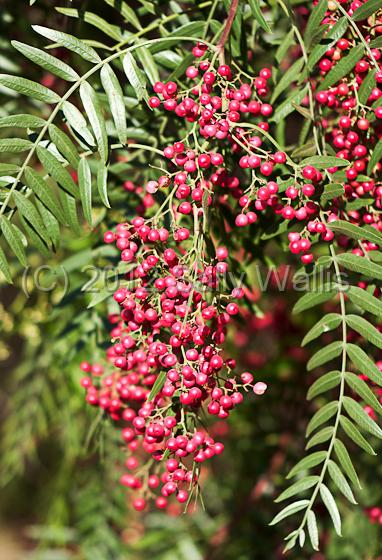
x: 258, y: 15
x: 15, y: 145
x: 320, y: 437
x: 50, y: 222
x: 365, y: 329
x: 13, y: 238
x: 340, y: 481
x: 335, y: 33
x: 312, y: 529
x: 357, y: 413
x: 64, y: 145
x: 4, y: 267
x: 69, y: 42
x: 44, y: 193
x: 77, y: 122
x: 333, y: 190
x: 22, y: 121
x: 68, y: 204
x: 57, y: 171
x: 363, y: 390
x: 365, y: 365
x: 345, y: 461
x: 324, y: 355
x: 325, y: 324
x: 324, y: 162
x: 291, y: 75
x: 376, y: 156
x: 85, y: 185
x: 29, y: 212
x: 366, y: 87
x: 159, y: 382
x: 110, y: 30
x: 298, y: 487
x: 102, y: 184
x: 29, y: 88
x: 355, y: 435
x: 365, y: 300
x: 148, y: 64
x: 322, y: 415
x: 134, y: 75
x: 114, y: 94
x: 127, y: 12
x: 47, y: 61
x: 8, y: 169
x: 332, y: 508
x: 308, y: 462
x: 314, y: 21
x: 94, y: 113
x: 290, y: 510
x: 314, y: 298
x: 361, y: 265
x: 324, y: 383
x: 356, y: 232
x: 289, y: 105
x: 366, y: 10
x: 343, y: 67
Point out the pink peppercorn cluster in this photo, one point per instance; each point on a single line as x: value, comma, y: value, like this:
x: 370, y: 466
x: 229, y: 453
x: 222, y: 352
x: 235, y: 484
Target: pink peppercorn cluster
x: 167, y: 359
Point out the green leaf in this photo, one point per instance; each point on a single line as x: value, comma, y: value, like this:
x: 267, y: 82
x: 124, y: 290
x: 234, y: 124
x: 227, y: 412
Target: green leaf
x: 289, y: 510
x: 159, y: 382
x: 44, y: 193
x: 356, y: 232
x: 376, y: 156
x: 298, y: 487
x: 362, y: 361
x: 102, y: 184
x: 134, y: 75
x: 331, y: 506
x: 365, y: 300
x: 110, y: 30
x: 69, y: 42
x: 257, y: 14
x: 68, y: 204
x: 22, y: 121
x: 365, y: 329
x: 13, y: 238
x: 127, y: 12
x: 312, y: 529
x: 325, y: 324
x: 361, y: 265
x: 363, y: 390
x: 342, y: 68
x: 77, y: 122
x: 114, y: 94
x: 57, y: 171
x: 4, y: 267
x: 322, y: 415
x: 50, y: 223
x: 366, y: 10
x: 289, y: 105
x: 14, y: 145
x: 93, y: 110
x: 312, y: 299
x: 148, y: 64
x: 358, y: 203
x: 28, y: 210
x: 325, y: 355
x: 308, y: 462
x: 47, y: 61
x: 324, y: 383
x: 340, y: 481
x: 357, y: 413
x: 8, y: 169
x: 331, y: 37
x: 85, y: 185
x: 345, y: 461
x: 376, y: 43
x: 284, y: 46
x: 333, y: 190
x: 320, y: 437
x: 64, y: 145
x: 291, y: 75
x: 308, y: 149
x: 34, y: 238
x: 29, y: 88
x: 97, y: 297
x: 355, y: 435
x: 314, y: 21
x: 366, y: 87
x: 324, y: 162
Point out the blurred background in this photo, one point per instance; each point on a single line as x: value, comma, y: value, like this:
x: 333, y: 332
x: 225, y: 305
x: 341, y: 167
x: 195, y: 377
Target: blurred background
x: 60, y: 496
